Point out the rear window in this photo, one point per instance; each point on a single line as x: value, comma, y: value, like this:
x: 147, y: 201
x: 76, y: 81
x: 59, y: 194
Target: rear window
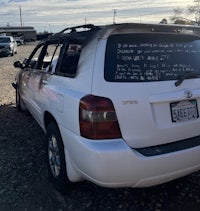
x: 150, y: 57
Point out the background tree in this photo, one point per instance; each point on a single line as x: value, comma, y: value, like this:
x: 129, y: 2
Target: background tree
x: 180, y: 14
x: 163, y: 21
x: 195, y: 9
x: 178, y: 17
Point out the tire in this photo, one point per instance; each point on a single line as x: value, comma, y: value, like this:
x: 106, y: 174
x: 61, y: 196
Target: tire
x: 56, y: 159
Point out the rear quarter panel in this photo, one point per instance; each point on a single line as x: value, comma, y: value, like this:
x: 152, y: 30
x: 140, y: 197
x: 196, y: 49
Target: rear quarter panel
x: 64, y: 93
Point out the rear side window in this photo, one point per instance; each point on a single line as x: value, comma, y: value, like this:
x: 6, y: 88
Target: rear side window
x: 150, y: 57
x: 69, y: 62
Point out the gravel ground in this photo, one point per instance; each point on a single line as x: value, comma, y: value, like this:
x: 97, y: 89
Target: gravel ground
x: 24, y: 183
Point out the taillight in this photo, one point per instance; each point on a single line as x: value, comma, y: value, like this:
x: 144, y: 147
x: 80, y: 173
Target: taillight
x: 97, y: 118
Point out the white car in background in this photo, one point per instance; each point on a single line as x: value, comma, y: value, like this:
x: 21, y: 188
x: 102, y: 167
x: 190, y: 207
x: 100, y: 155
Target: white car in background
x: 119, y: 104
x: 8, y: 46
x: 19, y: 40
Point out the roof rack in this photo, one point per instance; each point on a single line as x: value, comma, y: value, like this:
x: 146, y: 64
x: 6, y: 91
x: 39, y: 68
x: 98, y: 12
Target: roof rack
x: 73, y: 29
x: 72, y: 34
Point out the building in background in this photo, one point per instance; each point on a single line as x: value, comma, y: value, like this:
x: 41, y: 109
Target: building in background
x: 27, y: 33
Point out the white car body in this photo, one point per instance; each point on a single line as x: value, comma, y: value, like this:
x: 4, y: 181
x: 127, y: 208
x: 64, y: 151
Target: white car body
x: 8, y: 46
x: 152, y: 148
x: 19, y: 40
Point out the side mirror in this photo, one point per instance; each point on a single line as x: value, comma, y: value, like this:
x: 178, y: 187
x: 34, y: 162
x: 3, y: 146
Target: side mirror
x: 18, y: 64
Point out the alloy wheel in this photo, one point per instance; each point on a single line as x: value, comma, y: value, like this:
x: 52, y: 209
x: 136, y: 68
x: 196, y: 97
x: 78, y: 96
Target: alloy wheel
x: 54, y: 156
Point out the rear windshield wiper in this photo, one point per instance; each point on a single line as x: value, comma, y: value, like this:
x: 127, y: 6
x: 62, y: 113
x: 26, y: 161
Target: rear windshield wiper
x: 186, y: 76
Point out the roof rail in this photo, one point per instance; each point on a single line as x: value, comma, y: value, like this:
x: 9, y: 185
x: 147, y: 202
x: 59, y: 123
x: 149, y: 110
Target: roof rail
x: 73, y: 29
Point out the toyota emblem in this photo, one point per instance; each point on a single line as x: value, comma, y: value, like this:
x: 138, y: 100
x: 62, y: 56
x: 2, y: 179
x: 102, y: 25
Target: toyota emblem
x: 188, y: 94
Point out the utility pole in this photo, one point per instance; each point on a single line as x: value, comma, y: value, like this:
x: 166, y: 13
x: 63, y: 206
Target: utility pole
x: 49, y: 28
x: 114, y: 14
x: 20, y: 13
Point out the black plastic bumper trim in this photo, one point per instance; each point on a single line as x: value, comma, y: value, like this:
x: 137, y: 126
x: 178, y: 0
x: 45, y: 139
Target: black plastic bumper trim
x: 171, y: 147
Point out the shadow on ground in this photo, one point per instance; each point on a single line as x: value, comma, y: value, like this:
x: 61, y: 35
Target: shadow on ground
x: 24, y: 183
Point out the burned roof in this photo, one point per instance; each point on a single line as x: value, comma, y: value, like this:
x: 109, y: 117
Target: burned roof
x: 85, y: 32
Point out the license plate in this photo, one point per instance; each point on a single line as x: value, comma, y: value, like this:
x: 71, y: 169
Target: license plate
x: 184, y: 110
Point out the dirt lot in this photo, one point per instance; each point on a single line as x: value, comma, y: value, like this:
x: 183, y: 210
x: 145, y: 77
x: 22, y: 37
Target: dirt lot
x: 24, y: 183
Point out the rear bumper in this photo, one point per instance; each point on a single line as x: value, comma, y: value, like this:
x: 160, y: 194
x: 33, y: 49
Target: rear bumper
x: 112, y: 163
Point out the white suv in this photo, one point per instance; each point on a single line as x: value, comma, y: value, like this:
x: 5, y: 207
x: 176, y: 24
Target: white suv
x: 119, y: 104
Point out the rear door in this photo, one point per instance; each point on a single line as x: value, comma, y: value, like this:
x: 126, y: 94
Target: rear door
x: 37, y: 78
x: 153, y: 81
x: 25, y: 77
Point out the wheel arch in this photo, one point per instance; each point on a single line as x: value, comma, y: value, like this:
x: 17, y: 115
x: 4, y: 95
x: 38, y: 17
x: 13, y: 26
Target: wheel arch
x: 48, y: 118
x: 73, y: 176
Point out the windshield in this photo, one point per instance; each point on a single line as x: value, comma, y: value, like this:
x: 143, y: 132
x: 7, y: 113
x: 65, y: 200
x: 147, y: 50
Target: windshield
x: 4, y: 39
x: 150, y: 57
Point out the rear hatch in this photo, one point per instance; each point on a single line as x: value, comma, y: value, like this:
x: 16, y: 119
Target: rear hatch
x: 153, y: 82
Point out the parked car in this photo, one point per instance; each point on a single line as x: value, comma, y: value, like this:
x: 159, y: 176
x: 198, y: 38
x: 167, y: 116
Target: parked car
x: 8, y: 46
x: 19, y: 40
x: 119, y: 104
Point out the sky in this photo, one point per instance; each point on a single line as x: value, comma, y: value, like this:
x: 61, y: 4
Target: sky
x: 54, y: 15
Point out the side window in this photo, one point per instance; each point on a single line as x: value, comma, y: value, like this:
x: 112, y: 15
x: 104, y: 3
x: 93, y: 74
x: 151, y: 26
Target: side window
x: 44, y: 58
x: 69, y: 62
x: 32, y: 60
x: 48, y: 57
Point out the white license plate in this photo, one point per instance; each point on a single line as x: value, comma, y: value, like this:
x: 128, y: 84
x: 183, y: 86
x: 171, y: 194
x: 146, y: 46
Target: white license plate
x: 184, y: 110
